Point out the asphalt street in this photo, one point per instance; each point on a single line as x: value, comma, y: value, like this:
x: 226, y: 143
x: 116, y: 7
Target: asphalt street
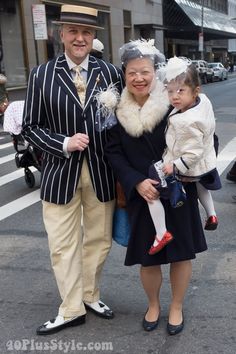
x: 29, y: 296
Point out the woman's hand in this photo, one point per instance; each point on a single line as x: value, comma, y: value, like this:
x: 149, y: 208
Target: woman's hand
x: 147, y: 189
x: 168, y: 169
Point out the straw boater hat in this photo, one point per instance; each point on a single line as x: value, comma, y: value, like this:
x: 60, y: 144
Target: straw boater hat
x: 78, y: 15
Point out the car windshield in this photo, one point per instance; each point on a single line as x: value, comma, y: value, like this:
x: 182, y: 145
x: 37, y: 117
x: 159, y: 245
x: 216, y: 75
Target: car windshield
x: 213, y: 65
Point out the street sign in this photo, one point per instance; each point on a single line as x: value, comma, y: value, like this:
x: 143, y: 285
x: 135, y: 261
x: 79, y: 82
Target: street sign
x: 200, y: 42
x: 39, y: 22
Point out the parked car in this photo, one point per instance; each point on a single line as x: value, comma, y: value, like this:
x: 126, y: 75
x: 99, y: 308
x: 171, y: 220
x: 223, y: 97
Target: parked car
x: 220, y: 72
x: 206, y: 73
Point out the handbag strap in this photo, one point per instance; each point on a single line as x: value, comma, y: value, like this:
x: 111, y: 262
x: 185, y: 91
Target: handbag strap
x: 174, y: 171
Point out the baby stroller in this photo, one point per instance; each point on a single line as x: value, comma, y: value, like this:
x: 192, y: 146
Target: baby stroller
x: 26, y: 155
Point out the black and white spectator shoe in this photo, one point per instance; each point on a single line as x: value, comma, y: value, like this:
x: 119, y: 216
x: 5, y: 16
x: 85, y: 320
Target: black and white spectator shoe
x: 100, y: 309
x: 58, y: 323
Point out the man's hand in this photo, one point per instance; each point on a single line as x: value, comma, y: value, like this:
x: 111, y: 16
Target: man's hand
x: 78, y: 141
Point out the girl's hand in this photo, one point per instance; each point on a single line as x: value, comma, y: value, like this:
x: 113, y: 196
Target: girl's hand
x: 168, y: 169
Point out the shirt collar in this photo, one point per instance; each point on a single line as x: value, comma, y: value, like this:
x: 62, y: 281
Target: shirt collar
x: 71, y: 64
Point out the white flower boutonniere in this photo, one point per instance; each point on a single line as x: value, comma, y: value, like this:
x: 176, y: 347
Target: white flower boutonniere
x: 107, y: 101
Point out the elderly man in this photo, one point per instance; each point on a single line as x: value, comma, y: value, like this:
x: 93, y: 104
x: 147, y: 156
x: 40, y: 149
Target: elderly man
x: 59, y: 118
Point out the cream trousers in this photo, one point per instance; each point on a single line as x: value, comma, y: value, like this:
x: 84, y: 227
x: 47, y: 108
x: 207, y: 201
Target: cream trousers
x: 78, y: 254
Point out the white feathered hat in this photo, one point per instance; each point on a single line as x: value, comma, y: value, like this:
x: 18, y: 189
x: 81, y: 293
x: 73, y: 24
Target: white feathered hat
x: 175, y: 66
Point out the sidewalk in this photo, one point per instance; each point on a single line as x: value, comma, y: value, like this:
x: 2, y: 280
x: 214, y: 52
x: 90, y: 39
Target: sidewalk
x: 231, y: 74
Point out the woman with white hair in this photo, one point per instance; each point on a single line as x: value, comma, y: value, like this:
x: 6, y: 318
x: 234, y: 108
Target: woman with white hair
x: 134, y: 142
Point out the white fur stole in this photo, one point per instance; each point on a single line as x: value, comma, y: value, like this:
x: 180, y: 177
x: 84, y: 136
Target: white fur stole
x: 135, y: 119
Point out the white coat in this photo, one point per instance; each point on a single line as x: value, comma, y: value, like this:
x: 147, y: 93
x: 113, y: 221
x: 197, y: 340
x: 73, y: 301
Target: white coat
x: 189, y: 139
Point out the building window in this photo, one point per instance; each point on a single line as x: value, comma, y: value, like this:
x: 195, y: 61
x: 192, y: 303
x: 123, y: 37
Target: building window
x: 12, y: 61
x: 217, y: 5
x: 54, y: 45
x: 127, y: 25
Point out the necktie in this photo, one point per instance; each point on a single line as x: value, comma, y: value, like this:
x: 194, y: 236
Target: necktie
x: 80, y: 84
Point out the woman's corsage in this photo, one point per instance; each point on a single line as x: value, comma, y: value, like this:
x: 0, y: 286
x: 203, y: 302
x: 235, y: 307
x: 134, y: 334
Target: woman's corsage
x: 107, y: 100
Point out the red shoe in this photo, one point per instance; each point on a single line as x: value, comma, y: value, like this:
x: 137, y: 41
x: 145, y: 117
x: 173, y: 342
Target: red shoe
x: 211, y: 223
x: 161, y: 244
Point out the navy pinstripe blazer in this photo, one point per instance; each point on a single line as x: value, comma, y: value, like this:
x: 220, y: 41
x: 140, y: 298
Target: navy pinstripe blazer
x: 52, y: 112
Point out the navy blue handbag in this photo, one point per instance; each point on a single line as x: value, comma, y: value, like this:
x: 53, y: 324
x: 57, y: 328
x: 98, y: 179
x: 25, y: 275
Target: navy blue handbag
x: 175, y: 190
x: 177, y: 193
x: 121, y: 227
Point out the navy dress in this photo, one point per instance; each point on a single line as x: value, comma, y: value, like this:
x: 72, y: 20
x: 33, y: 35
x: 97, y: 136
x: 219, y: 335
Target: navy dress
x: 184, y: 223
x: 130, y: 158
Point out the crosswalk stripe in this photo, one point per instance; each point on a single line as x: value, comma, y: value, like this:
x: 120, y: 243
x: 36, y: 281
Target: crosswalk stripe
x: 226, y: 156
x: 7, y: 158
x: 14, y: 175
x: 19, y: 204
x: 5, y: 146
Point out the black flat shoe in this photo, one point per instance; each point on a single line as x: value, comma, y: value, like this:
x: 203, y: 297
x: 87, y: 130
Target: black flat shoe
x: 150, y: 326
x: 57, y: 324
x: 175, y: 329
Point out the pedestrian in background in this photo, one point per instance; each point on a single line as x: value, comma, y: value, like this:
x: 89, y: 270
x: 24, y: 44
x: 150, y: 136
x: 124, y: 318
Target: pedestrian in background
x: 97, y: 49
x: 231, y: 175
x: 3, y: 94
x: 142, y: 121
x: 59, y: 119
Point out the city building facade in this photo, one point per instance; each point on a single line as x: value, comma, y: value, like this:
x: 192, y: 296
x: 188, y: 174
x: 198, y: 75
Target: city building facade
x: 20, y: 51
x: 198, y: 29
x: 232, y: 42
x: 174, y: 24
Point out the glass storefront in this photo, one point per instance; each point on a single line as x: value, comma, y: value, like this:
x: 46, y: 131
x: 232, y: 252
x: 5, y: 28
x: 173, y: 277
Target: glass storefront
x: 12, y: 61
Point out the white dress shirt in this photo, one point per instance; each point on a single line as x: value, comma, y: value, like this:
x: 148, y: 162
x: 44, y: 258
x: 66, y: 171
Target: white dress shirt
x: 84, y: 72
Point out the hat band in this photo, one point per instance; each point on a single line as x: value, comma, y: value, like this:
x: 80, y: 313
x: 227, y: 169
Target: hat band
x: 78, y: 18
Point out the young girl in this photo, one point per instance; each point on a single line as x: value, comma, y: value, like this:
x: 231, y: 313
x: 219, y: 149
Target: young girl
x: 189, y: 138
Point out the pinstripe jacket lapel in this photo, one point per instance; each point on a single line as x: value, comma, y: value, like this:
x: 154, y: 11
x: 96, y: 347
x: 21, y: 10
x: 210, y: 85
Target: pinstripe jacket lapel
x: 64, y: 79
x: 92, y: 81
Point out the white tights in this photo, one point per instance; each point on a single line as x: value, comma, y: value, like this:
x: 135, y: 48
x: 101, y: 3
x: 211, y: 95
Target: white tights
x: 158, y: 213
x: 158, y: 217
x: 205, y: 198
